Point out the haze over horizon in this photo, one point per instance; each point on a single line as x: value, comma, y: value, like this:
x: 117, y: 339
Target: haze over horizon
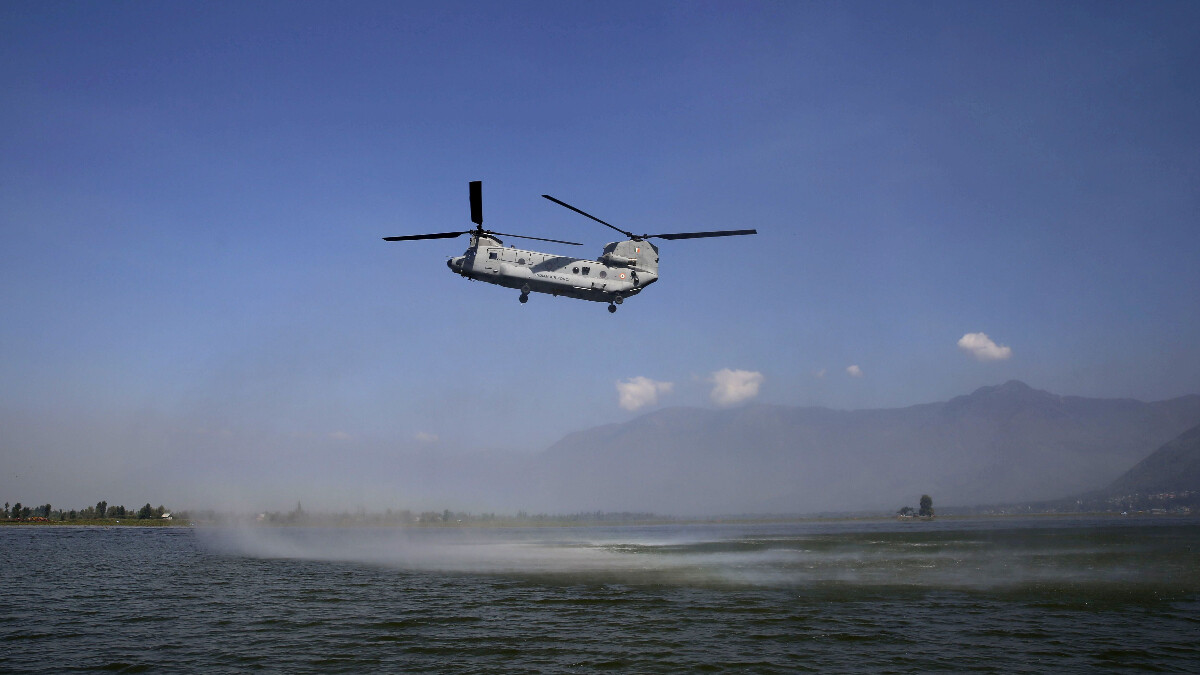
x: 197, y: 304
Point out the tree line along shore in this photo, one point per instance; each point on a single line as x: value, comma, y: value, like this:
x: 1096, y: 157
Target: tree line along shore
x: 101, y: 514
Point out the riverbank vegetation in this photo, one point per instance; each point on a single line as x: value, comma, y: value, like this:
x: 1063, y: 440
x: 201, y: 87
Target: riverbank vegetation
x: 101, y: 514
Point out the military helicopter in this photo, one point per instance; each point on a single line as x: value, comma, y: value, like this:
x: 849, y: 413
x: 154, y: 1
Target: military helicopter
x: 623, y: 270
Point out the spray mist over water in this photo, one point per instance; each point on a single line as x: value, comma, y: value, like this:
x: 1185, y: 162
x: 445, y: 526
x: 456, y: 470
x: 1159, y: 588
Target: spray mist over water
x: 954, y: 557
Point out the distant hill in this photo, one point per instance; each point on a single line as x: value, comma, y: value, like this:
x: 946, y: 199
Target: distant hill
x: 1005, y: 443
x: 1175, y: 467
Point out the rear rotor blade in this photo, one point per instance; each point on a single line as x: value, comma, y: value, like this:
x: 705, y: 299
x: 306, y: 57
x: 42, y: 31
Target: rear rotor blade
x: 521, y: 236
x: 585, y: 213
x: 699, y: 235
x: 439, y: 235
x: 477, y: 202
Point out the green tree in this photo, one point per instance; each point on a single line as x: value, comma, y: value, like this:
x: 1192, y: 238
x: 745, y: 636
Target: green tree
x: 146, y: 511
x: 926, y: 505
x: 101, y: 509
x: 16, y: 510
x: 5, y: 510
x: 906, y: 510
x: 26, y: 512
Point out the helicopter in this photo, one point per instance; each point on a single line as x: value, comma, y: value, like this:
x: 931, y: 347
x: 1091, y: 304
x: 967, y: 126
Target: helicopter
x: 622, y: 270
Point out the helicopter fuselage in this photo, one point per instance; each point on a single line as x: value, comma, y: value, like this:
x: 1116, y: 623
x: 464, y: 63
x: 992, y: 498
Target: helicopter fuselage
x: 623, y: 270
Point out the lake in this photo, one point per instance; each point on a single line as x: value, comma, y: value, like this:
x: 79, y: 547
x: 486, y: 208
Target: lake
x: 987, y: 595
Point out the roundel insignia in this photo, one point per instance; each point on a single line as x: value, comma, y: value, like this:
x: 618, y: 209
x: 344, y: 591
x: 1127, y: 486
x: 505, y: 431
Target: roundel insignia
x: 622, y: 275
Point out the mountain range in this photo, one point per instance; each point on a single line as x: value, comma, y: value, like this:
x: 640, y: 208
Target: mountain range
x: 1006, y: 443
x: 1175, y: 467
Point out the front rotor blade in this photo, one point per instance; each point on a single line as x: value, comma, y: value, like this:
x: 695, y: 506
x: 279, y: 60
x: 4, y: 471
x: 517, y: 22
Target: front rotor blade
x: 699, y: 235
x: 521, y: 236
x: 439, y: 235
x: 477, y: 202
x: 585, y: 213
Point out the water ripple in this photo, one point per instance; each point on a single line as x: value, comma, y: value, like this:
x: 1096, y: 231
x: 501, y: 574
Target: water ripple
x: 987, y: 597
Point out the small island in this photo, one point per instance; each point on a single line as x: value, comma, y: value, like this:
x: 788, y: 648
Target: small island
x: 924, y: 513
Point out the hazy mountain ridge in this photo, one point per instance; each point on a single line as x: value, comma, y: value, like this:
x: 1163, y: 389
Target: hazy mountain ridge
x: 1167, y: 480
x: 1003, y: 443
x: 1175, y: 467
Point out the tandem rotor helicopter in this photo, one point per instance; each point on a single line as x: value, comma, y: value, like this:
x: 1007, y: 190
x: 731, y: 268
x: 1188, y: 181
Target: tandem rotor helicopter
x: 623, y: 270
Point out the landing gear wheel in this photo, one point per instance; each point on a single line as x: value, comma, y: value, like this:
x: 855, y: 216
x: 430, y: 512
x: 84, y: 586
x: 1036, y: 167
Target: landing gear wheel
x: 524, y: 298
x: 618, y: 299
x: 612, y: 308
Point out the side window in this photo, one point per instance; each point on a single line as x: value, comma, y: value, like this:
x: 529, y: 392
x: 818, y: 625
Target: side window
x: 586, y: 270
x: 492, y: 255
x: 575, y: 270
x: 603, y: 274
x: 520, y: 261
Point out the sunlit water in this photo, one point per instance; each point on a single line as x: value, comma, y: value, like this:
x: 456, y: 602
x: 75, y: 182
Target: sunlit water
x: 1031, y: 595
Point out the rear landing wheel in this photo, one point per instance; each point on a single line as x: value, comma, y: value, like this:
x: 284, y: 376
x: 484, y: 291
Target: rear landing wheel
x: 612, y: 308
x: 524, y: 298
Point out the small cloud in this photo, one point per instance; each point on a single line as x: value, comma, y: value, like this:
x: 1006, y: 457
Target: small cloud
x: 426, y: 437
x: 854, y: 371
x: 820, y: 374
x: 340, y: 436
x: 639, y: 392
x: 982, y: 348
x: 731, y: 387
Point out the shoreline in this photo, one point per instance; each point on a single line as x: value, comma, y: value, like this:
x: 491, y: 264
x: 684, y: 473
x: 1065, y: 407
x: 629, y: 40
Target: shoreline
x: 104, y: 522
x: 567, y: 523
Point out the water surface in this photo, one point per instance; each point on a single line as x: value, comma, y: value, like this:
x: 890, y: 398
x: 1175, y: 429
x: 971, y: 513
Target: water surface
x: 1022, y: 595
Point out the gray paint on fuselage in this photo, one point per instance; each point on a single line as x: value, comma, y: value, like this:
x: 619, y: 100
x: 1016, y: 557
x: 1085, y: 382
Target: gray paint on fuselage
x: 551, y: 274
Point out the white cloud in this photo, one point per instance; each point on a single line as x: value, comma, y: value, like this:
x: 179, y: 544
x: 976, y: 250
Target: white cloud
x: 426, y: 437
x: 820, y: 374
x: 731, y: 387
x: 639, y: 392
x: 854, y: 371
x: 982, y: 348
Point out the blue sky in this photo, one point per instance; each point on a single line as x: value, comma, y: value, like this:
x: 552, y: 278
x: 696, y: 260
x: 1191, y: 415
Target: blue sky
x: 192, y: 200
